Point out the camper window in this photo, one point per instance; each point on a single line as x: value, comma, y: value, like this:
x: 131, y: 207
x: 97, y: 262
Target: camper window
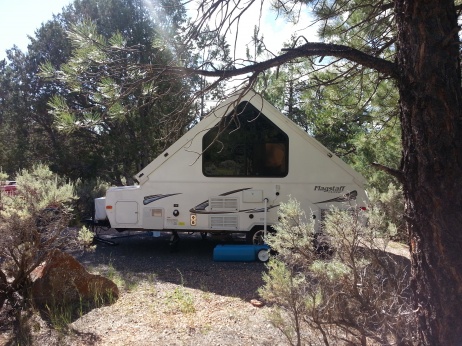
x: 245, y: 144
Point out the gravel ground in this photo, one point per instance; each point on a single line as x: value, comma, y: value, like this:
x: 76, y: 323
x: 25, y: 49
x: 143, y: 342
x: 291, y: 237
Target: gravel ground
x: 170, y: 298
x: 191, y: 265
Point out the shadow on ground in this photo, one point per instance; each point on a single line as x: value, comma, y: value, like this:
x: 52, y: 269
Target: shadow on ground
x: 142, y: 256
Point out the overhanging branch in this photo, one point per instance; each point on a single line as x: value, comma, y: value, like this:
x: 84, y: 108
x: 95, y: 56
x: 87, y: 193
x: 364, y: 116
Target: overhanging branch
x: 306, y: 50
x: 340, y: 51
x: 393, y: 172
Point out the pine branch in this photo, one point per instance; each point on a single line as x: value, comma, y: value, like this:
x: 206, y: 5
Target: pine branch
x: 345, y: 52
x: 306, y: 50
x: 393, y: 172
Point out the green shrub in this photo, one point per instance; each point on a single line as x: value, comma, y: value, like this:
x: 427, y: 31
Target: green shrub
x: 359, y: 295
x: 33, y: 222
x: 391, y: 204
x: 86, y: 192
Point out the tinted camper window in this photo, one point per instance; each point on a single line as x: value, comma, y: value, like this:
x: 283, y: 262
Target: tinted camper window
x: 245, y: 144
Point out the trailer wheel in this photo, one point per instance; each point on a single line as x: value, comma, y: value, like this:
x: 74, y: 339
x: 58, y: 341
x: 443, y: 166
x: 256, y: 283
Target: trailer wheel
x: 263, y: 255
x: 256, y: 236
x: 322, y: 246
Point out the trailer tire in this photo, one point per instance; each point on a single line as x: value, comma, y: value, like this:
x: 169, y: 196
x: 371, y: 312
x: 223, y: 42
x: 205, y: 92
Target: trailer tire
x: 255, y: 236
x: 322, y: 246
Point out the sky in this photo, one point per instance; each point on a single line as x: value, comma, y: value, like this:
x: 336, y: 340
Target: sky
x: 274, y: 29
x: 20, y: 18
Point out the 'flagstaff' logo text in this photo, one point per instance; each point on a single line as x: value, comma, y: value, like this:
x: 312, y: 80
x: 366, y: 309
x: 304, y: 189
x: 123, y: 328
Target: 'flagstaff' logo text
x: 330, y: 189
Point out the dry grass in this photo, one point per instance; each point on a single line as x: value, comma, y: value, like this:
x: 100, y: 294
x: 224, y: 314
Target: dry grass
x: 181, y: 298
x: 153, y: 314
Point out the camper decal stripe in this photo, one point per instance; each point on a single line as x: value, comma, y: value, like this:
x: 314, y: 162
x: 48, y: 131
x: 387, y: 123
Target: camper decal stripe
x: 203, y: 212
x: 234, y: 191
x: 248, y: 211
x: 153, y: 198
x: 200, y: 208
x: 259, y: 210
x: 343, y: 198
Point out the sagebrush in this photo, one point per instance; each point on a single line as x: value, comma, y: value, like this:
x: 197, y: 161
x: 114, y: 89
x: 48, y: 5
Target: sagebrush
x: 33, y: 222
x: 359, y: 294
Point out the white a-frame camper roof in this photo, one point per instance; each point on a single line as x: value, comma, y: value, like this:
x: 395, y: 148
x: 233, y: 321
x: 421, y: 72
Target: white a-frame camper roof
x: 182, y: 160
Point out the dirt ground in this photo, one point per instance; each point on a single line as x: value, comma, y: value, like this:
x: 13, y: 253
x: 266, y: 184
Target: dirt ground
x: 168, y: 298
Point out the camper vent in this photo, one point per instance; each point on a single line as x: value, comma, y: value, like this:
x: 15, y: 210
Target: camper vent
x: 229, y: 222
x: 224, y: 203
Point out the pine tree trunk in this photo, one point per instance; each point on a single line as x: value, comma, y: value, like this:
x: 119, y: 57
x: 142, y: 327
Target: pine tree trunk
x: 431, y: 102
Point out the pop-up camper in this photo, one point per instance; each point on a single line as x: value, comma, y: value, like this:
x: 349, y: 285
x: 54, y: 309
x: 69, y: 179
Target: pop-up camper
x: 230, y: 173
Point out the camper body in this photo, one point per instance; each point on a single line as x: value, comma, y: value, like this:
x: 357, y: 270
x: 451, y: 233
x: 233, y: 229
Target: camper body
x: 230, y: 173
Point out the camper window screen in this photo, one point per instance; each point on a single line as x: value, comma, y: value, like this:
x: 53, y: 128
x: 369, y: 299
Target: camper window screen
x: 245, y: 144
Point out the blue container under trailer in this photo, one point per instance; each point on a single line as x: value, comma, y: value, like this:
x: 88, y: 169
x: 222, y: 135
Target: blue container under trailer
x: 241, y: 253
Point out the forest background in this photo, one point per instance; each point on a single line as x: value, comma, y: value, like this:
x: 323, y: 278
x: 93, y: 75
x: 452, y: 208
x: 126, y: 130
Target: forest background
x: 98, y: 75
x: 336, y: 115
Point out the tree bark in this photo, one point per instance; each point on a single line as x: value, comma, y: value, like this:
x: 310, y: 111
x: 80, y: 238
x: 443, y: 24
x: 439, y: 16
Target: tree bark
x: 430, y: 100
